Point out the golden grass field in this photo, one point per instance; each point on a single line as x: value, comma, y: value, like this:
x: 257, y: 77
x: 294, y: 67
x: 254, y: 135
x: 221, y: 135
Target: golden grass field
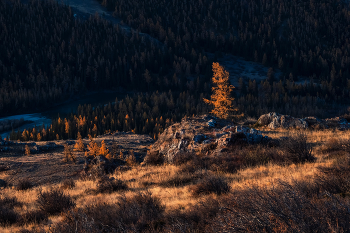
x: 150, y: 178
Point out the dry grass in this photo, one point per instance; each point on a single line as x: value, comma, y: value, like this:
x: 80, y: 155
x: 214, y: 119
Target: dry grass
x: 317, y: 137
x: 174, y: 188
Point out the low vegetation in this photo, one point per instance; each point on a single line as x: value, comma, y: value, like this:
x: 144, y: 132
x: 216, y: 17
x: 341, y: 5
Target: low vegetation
x: 24, y: 184
x: 296, y: 183
x: 54, y: 202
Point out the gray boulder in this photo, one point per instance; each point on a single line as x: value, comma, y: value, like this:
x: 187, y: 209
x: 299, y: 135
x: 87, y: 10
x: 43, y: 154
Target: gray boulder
x: 199, y: 138
x: 211, y: 123
x: 274, y: 120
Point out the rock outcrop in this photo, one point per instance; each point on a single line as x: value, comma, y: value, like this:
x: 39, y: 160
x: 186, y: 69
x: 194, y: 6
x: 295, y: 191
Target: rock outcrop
x: 204, y: 134
x: 274, y: 120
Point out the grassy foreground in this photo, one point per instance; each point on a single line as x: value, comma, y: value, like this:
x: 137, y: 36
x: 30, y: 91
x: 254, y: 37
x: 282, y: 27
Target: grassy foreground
x: 268, y: 189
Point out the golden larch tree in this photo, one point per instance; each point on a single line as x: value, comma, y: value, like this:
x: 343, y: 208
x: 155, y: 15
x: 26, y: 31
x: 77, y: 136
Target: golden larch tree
x: 221, y: 98
x: 68, y: 155
x: 26, y: 150
x: 103, y: 149
x: 93, y: 147
x: 79, y: 145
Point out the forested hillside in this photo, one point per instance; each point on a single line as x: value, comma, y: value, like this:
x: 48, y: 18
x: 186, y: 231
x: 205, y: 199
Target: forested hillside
x: 48, y: 56
x: 309, y: 38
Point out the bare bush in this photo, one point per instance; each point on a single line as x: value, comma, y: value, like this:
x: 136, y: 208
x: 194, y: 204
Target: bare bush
x: 333, y: 144
x: 297, y: 150
x: 7, y: 216
x: 140, y: 212
x: 24, y: 184
x: 283, y: 209
x: 335, y: 179
x: 107, y: 185
x: 54, y: 202
x: 154, y: 158
x: 180, y: 179
x: 10, y: 202
x: 196, y: 218
x: 182, y: 158
x: 35, y: 216
x: 68, y: 184
x: 209, y: 185
x: 3, y: 168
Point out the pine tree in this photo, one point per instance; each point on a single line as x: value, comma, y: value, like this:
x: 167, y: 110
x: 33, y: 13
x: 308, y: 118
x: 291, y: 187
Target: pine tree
x: 131, y: 159
x: 26, y: 150
x: 68, y: 155
x: 79, y: 145
x: 93, y: 147
x: 221, y: 98
x: 103, y: 149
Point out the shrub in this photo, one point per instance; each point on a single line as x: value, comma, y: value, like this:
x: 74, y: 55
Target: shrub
x: 54, y: 202
x: 297, y: 150
x: 68, y: 155
x: 68, y: 184
x: 196, y: 218
x: 131, y: 159
x: 137, y: 213
x: 179, y: 180
x: 9, y: 202
x: 7, y: 216
x: 224, y: 163
x: 182, y: 158
x: 198, y: 162
x: 3, y: 168
x: 209, y: 185
x: 24, y: 184
x: 282, y: 209
x: 35, y: 216
x: 154, y: 158
x: 335, y: 179
x: 107, y: 185
x: 333, y: 144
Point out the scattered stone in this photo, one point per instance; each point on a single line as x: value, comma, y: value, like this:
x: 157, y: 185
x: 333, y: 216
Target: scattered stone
x: 211, y: 123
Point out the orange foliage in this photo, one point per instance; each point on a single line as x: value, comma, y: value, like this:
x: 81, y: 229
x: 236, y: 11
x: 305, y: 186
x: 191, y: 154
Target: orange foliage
x: 221, y: 98
x: 103, y: 150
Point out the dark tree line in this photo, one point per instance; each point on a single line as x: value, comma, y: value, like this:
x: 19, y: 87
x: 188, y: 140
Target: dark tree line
x: 151, y: 113
x: 142, y: 113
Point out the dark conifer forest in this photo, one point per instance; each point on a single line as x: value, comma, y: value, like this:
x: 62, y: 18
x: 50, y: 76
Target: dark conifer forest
x: 47, y: 56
